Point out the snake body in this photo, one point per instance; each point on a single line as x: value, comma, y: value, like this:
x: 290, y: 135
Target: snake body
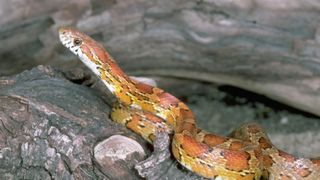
x: 246, y: 154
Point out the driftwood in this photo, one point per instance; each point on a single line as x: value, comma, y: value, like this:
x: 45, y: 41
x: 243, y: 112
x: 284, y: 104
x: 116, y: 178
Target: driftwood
x: 54, y: 129
x: 50, y: 127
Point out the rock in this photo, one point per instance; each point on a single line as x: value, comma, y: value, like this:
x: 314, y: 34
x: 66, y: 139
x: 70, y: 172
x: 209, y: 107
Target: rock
x: 117, y: 156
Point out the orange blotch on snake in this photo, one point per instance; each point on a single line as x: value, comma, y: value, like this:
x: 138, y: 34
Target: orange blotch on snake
x: 134, y: 124
x: 147, y: 106
x: 285, y: 177
x: 213, y: 140
x: 123, y: 97
x: 170, y: 119
x: 264, y: 143
x: 186, y: 114
x: 286, y: 156
x: 144, y: 88
x: 236, y: 160
x: 186, y: 126
x: 166, y: 100
x: 303, y: 172
x: 316, y: 162
x: 145, y: 125
x: 237, y: 145
x: 192, y: 147
x: 153, y: 118
x: 267, y: 161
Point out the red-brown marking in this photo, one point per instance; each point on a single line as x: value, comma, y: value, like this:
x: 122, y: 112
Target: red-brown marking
x: 236, y: 160
x: 192, y: 147
x: 213, y: 140
x: 166, y: 100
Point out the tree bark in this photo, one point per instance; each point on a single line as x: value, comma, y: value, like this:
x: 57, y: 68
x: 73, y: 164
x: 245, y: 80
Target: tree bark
x: 267, y: 47
x: 50, y: 126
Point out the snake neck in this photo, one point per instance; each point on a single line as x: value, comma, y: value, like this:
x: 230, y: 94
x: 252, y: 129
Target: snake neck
x: 141, y: 96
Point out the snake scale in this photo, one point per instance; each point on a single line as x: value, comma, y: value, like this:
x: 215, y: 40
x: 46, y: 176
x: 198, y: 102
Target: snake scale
x: 246, y: 154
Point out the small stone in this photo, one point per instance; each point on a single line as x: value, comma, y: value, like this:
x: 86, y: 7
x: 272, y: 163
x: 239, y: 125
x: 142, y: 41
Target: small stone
x: 117, y: 155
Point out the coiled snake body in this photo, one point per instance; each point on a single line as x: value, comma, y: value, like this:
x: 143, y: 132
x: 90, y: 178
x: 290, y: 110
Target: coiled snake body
x: 247, y: 154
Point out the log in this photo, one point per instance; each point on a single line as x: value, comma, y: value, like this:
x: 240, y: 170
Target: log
x: 212, y: 54
x: 50, y: 126
x: 267, y: 47
x: 54, y: 126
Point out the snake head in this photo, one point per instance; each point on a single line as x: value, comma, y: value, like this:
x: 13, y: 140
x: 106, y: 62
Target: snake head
x: 72, y: 39
x: 91, y: 53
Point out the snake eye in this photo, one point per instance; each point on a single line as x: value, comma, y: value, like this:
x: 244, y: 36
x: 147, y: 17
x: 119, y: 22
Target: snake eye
x: 77, y: 42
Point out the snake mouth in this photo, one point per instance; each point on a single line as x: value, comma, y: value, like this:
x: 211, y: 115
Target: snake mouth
x: 65, y: 40
x: 63, y: 36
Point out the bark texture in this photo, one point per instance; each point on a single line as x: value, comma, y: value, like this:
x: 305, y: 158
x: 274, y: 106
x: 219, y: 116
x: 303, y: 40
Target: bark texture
x: 49, y: 126
x: 53, y: 128
x: 268, y: 47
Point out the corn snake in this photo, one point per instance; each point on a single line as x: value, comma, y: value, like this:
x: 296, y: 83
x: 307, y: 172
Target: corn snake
x: 246, y: 154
